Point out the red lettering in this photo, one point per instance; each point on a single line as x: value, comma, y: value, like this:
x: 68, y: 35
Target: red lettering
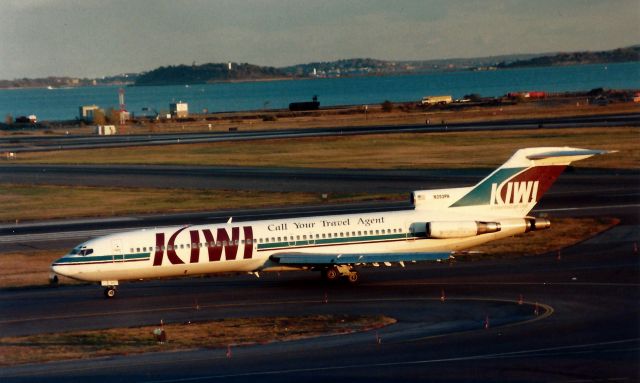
x: 215, y: 246
x: 231, y: 249
x: 195, y: 246
x: 248, y: 242
x: 157, y: 259
x: 171, y: 249
x: 171, y: 253
x: 215, y: 252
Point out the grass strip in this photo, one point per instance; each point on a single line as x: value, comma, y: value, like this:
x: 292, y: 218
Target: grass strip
x: 43, y: 202
x: 385, y: 151
x: 564, y: 232
x: 221, y: 333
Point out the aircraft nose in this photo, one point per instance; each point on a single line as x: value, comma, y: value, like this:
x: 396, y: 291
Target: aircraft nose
x: 58, y: 269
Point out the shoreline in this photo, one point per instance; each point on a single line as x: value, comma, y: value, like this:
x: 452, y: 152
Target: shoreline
x: 288, y: 78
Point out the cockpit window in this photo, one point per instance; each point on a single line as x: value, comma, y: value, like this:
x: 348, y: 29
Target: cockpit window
x: 84, y: 252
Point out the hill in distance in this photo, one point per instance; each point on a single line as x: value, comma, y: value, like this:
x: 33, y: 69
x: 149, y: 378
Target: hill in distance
x: 199, y: 74
x: 220, y: 72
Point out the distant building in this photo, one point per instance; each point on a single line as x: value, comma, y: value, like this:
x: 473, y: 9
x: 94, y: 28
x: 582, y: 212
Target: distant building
x: 179, y: 109
x: 86, y: 112
x: 105, y: 130
x: 123, y: 116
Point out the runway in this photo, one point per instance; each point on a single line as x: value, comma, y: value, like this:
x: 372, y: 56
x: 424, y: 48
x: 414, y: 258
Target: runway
x: 586, y: 328
x: 47, y: 143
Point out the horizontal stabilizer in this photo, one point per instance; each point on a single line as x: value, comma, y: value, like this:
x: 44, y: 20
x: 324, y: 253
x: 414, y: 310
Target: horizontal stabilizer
x: 568, y: 154
x: 318, y: 259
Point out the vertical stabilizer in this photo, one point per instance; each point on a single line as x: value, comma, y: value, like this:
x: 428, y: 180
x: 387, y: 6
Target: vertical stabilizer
x: 515, y: 187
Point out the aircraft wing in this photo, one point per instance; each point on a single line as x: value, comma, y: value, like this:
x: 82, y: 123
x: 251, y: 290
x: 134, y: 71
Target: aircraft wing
x: 321, y: 259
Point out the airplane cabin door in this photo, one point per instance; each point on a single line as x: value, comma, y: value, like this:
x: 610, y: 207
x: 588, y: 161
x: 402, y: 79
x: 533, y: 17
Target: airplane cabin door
x: 116, y: 249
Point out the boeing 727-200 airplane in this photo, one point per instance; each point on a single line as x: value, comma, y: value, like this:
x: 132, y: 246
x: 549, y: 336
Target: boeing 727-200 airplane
x: 441, y: 221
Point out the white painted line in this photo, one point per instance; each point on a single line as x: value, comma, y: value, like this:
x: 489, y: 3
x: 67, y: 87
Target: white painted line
x: 522, y: 353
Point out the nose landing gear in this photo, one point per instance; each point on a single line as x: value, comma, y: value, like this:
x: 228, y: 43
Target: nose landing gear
x: 109, y: 288
x: 110, y: 292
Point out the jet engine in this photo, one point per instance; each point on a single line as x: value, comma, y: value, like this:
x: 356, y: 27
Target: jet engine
x: 460, y: 229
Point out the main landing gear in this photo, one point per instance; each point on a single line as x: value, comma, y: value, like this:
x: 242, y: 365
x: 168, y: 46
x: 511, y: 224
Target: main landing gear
x: 334, y: 273
x: 109, y: 288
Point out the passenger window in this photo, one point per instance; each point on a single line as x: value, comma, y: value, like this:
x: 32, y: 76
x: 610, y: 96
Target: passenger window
x: 187, y: 246
x: 304, y: 237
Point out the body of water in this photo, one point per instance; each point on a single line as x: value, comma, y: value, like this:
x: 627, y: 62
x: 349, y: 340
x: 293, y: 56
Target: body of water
x: 63, y: 104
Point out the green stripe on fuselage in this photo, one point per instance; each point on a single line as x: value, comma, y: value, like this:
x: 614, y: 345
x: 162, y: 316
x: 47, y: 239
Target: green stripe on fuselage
x: 104, y: 258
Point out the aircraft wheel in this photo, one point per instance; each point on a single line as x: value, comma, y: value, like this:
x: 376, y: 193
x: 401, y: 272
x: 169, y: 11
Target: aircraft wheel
x: 331, y: 274
x: 353, y: 277
x: 110, y: 292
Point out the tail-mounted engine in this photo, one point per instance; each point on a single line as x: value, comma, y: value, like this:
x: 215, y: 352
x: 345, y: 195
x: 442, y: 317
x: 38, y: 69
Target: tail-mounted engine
x: 460, y: 229
x: 535, y: 224
x: 464, y: 229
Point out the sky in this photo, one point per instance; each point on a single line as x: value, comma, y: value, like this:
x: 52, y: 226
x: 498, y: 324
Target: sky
x: 95, y: 38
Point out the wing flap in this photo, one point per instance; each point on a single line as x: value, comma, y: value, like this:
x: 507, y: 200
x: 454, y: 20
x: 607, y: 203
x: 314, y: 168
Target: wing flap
x: 319, y: 259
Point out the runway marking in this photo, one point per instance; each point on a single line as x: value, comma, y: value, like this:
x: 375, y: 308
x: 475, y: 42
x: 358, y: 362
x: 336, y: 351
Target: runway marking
x: 548, y: 310
x: 593, y: 284
x: 229, y: 305
x: 511, y: 354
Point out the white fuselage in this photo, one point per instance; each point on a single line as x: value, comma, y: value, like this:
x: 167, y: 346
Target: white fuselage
x: 247, y: 246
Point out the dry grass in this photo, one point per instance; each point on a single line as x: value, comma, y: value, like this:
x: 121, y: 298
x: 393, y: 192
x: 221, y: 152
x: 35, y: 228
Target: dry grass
x: 29, y: 267
x: 212, y: 334
x: 41, y: 202
x: 388, y: 151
